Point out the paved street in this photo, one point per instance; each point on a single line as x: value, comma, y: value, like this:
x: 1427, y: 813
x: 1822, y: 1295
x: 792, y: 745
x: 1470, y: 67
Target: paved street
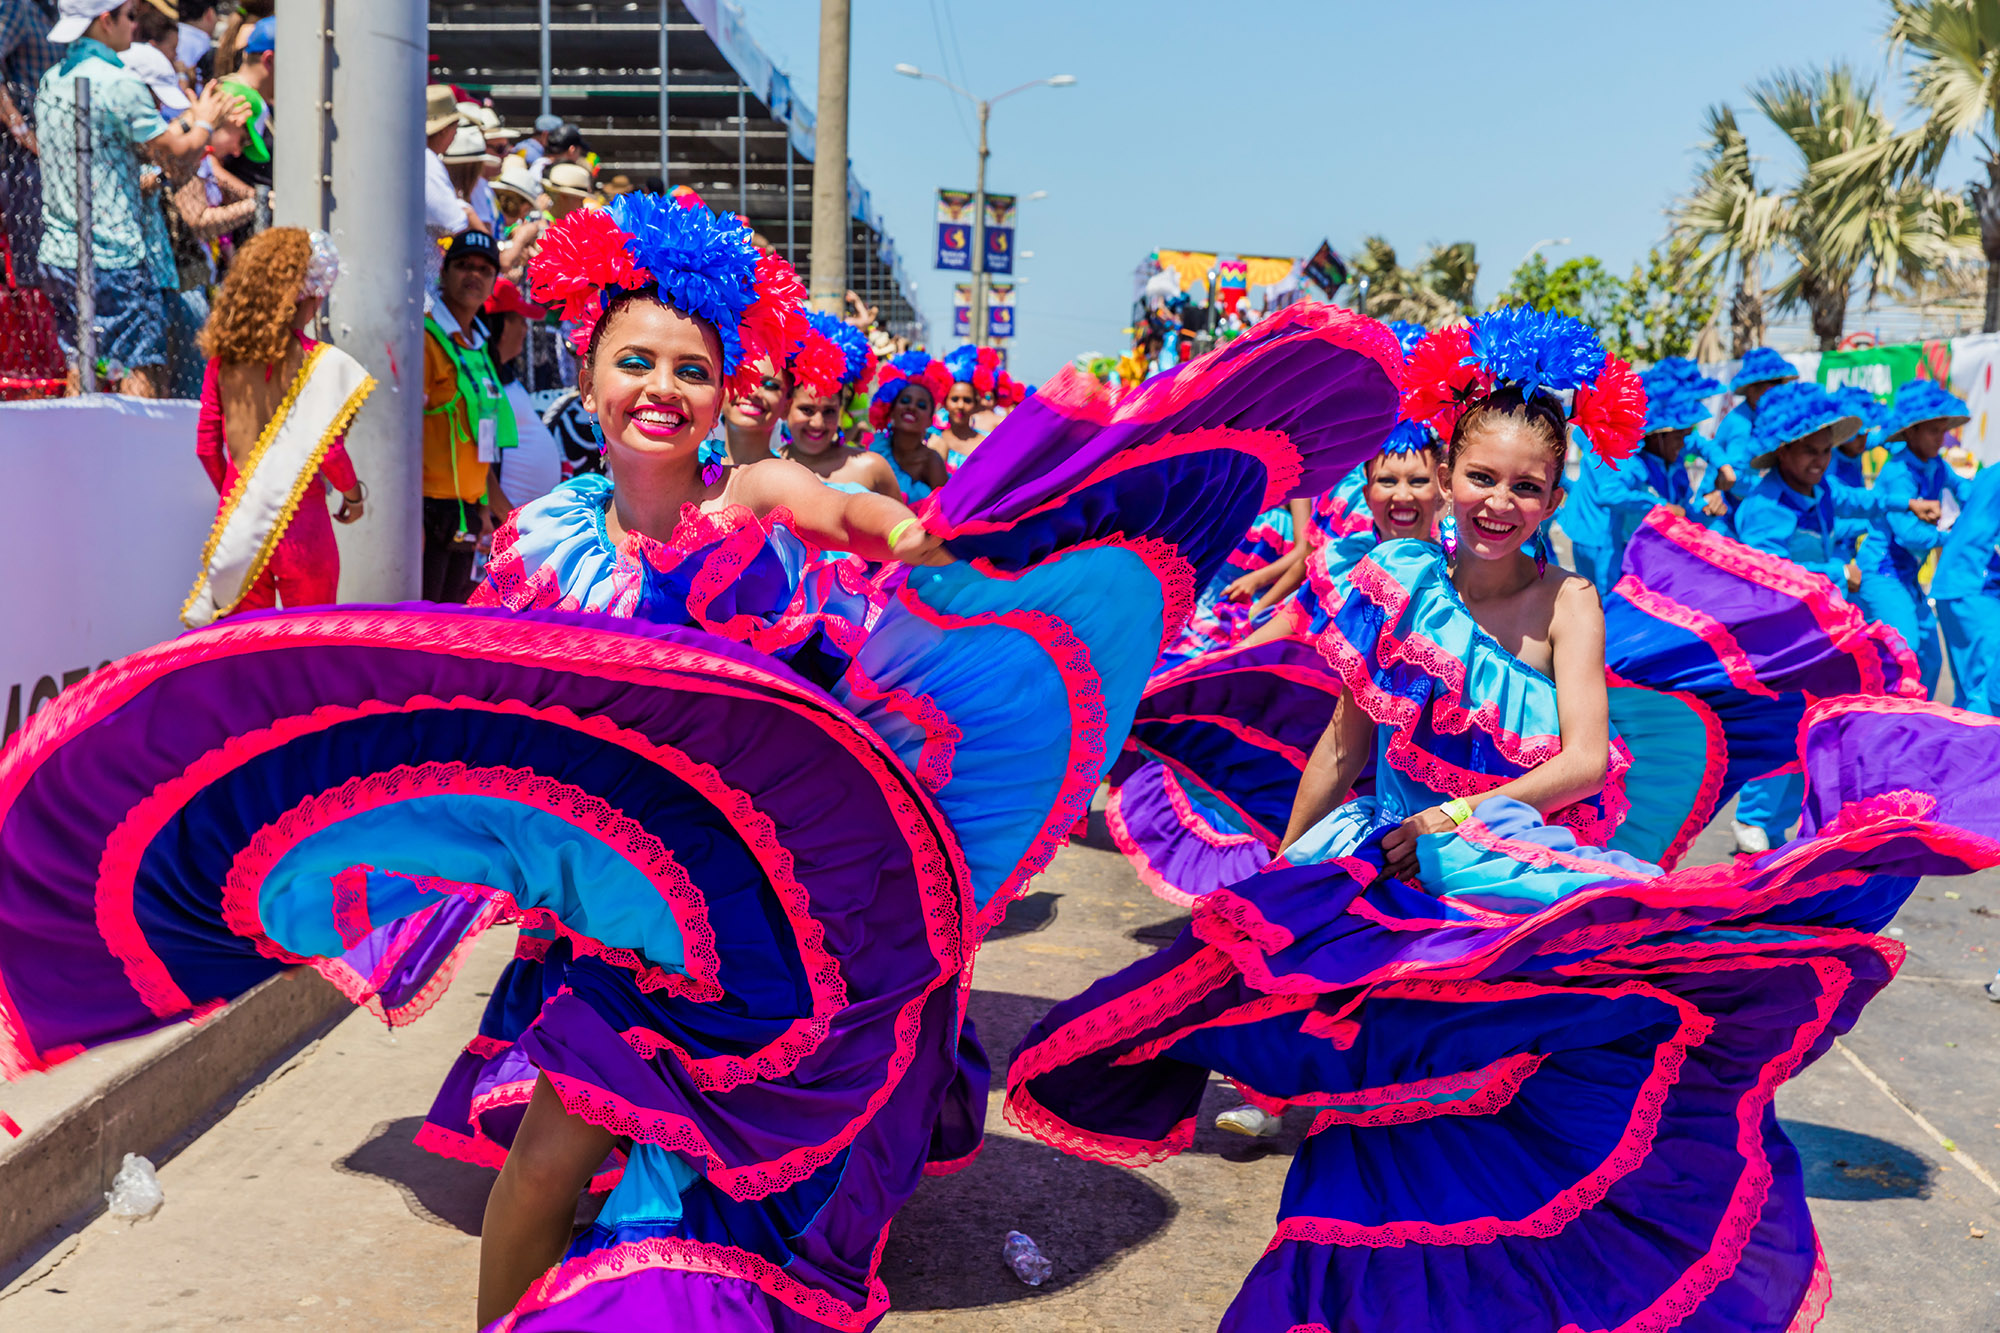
x: 307, y: 1206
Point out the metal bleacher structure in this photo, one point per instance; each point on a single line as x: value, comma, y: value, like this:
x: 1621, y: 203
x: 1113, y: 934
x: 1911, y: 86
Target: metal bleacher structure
x: 736, y: 132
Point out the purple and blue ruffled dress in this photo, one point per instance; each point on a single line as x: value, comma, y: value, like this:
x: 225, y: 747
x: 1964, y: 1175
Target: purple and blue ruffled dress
x: 1543, y: 1089
x: 753, y: 813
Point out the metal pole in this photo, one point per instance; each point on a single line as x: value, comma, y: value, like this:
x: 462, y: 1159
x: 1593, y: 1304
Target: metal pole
x: 829, y: 196
x: 742, y: 147
x: 545, y: 54
x: 667, y: 77
x: 299, y: 174
x: 979, y: 237
x: 791, y: 199
x: 376, y: 311
x: 86, y: 257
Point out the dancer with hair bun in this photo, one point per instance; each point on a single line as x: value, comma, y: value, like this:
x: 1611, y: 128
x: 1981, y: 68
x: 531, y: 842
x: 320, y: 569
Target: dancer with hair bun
x: 1540, y: 1060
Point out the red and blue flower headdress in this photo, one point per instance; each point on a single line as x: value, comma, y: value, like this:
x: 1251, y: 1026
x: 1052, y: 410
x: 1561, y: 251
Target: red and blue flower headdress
x: 835, y: 358
x: 701, y: 263
x: 1534, y: 352
x: 900, y: 369
x: 977, y: 366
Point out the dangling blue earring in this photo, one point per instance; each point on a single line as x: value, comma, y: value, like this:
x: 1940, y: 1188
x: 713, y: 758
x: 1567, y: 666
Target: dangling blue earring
x: 1448, y: 536
x: 1541, y: 552
x: 598, y: 431
x: 711, y: 456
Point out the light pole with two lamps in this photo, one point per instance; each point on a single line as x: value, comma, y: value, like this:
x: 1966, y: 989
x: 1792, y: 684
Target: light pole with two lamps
x: 984, y: 106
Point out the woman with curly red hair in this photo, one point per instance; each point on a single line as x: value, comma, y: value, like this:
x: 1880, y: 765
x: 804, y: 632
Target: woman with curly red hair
x: 274, y: 411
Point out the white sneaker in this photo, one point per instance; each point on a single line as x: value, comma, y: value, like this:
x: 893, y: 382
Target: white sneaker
x: 1992, y: 994
x: 1750, y: 838
x: 1250, y: 1121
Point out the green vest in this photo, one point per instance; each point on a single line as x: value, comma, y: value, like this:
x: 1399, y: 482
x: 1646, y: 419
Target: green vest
x: 479, y: 389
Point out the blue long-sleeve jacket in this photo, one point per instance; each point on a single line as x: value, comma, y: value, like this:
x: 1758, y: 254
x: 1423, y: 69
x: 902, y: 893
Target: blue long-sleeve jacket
x: 1969, y: 564
x: 1610, y: 500
x: 1898, y: 540
x: 1804, y: 529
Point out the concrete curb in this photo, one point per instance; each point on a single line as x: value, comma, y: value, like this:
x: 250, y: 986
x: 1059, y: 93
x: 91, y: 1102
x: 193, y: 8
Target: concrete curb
x: 57, y: 1175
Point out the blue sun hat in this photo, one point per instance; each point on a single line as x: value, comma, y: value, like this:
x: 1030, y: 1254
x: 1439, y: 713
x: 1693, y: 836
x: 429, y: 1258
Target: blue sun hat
x: 1920, y: 401
x: 1410, y: 437
x: 1795, y: 410
x: 1857, y: 401
x: 1676, y: 393
x: 1762, y: 366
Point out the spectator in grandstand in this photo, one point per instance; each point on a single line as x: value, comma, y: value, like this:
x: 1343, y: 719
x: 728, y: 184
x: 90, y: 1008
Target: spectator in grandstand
x: 464, y: 159
x: 444, y: 212
x: 25, y: 54
x: 195, y: 51
x: 255, y: 81
x: 569, y: 188
x: 565, y: 145
x: 130, y: 253
x: 536, y: 146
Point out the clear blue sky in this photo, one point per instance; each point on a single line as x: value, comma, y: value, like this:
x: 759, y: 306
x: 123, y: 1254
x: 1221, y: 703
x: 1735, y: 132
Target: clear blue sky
x: 1263, y: 125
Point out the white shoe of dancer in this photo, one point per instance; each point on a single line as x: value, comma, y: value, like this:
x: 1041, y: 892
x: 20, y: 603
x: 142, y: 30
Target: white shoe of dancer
x: 1250, y: 1121
x: 1750, y: 838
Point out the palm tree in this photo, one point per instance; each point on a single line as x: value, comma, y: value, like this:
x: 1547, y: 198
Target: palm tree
x: 1729, y: 218
x: 1954, y: 50
x: 1864, y: 200
x: 1434, y: 293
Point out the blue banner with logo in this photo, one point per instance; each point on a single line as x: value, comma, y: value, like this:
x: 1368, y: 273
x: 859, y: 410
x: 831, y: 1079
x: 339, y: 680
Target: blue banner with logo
x: 954, y: 230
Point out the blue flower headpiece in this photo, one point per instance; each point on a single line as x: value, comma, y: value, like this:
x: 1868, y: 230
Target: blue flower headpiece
x: 1762, y: 366
x: 1858, y: 402
x: 851, y: 342
x: 1410, y: 437
x: 1408, y: 332
x: 1533, y: 352
x: 1796, y: 409
x: 1920, y: 401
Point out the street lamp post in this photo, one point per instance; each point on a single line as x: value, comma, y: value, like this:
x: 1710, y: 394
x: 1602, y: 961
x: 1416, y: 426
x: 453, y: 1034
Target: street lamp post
x: 1563, y: 240
x: 984, y: 106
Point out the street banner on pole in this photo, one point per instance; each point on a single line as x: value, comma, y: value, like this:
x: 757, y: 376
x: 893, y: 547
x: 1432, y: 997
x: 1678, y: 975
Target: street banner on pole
x: 1326, y: 269
x: 961, y: 311
x: 1000, y: 310
x: 954, y: 229
x: 999, y: 233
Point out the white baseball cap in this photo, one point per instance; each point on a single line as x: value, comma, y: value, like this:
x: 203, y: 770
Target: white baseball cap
x: 77, y: 15
x: 151, y: 65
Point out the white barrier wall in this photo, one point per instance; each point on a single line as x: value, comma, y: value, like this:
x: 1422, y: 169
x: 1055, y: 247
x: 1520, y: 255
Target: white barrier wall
x: 105, y: 514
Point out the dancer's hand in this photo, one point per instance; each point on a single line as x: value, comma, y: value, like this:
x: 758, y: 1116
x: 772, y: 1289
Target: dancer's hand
x: 914, y: 546
x: 1399, y: 847
x: 1676, y: 510
x: 1714, y: 505
x: 350, y: 507
x: 1853, y: 577
x: 1929, y: 511
x: 1246, y: 586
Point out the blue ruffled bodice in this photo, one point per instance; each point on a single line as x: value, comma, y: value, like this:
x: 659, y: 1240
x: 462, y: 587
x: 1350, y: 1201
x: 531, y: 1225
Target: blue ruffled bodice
x: 724, y: 571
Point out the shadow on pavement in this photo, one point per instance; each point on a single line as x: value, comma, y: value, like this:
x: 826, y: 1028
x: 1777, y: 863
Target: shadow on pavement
x: 1026, y: 915
x: 1841, y: 1164
x: 436, y: 1189
x: 944, y: 1248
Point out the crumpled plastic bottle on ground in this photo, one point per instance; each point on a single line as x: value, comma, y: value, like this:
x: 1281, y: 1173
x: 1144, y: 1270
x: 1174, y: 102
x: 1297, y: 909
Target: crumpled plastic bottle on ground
x: 1027, y: 1261
x: 135, y: 1190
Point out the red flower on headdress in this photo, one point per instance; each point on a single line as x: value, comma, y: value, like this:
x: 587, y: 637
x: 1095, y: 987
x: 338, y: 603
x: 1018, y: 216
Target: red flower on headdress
x: 774, y: 327
x: 580, y: 256
x: 818, y: 365
x: 1437, y: 381
x: 1611, y: 411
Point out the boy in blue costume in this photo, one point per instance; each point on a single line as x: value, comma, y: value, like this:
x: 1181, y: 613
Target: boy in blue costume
x: 1966, y: 590
x: 1611, y: 500
x: 1728, y: 455
x: 1898, y: 542
x: 1798, y: 512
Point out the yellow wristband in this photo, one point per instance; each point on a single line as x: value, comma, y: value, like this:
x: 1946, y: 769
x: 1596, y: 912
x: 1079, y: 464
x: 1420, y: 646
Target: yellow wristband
x: 896, y: 533
x: 1457, y: 810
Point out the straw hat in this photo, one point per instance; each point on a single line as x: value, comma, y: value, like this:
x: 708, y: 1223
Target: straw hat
x: 441, y: 110
x: 569, y: 178
x: 468, y: 145
x: 515, y: 178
